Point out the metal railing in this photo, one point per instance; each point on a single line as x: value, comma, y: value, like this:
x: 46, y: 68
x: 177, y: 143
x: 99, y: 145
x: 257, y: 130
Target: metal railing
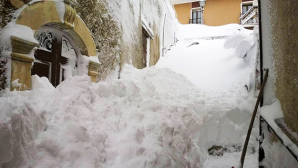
x: 248, y: 17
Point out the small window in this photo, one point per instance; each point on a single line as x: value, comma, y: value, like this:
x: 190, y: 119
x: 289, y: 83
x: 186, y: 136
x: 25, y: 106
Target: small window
x: 245, y: 8
x: 196, y: 16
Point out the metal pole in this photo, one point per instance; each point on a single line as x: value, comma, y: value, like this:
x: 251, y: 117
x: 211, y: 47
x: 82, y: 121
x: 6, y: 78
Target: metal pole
x: 252, y: 120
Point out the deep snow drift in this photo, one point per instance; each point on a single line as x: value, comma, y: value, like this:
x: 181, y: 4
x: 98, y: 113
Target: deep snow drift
x: 137, y: 121
x: 217, y: 60
x: 153, y: 117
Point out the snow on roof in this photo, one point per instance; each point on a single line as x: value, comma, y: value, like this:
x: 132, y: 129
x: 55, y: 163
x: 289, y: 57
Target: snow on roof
x: 145, y: 25
x: 16, y: 30
x: 174, y: 2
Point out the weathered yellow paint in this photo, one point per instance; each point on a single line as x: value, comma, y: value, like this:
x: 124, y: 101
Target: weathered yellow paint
x: 154, y: 48
x: 22, y: 46
x: 221, y: 12
x: 93, y: 70
x: 81, y: 29
x: 45, y: 12
x: 183, y: 12
x: 21, y: 63
x: 21, y: 69
x: 39, y: 14
x: 17, y: 3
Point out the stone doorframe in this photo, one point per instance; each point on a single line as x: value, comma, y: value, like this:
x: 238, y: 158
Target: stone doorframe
x: 41, y: 13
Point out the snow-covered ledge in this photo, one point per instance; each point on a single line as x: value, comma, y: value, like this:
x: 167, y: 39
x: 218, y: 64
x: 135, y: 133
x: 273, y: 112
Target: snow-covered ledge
x: 147, y: 28
x: 272, y: 115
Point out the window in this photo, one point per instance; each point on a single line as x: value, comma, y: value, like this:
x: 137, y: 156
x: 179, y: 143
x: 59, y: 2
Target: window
x: 245, y: 8
x: 196, y: 17
x: 56, y: 58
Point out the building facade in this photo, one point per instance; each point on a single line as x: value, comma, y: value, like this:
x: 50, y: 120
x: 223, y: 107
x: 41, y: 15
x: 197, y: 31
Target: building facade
x: 216, y: 12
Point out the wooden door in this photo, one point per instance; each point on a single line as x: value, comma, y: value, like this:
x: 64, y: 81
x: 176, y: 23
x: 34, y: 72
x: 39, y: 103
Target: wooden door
x: 53, y: 55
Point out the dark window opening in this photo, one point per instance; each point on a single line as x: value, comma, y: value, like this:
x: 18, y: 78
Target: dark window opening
x: 196, y: 17
x: 56, y: 58
x: 245, y: 8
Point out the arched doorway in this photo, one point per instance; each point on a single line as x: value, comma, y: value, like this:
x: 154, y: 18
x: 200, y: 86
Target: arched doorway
x: 50, y: 60
x: 57, y: 56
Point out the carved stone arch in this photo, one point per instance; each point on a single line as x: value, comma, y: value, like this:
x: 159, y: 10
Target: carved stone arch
x: 48, y: 13
x: 43, y: 13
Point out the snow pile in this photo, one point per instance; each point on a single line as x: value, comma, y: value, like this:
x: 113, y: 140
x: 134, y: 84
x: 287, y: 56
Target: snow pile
x: 133, y: 122
x: 276, y: 155
x: 15, y: 30
x: 195, y: 31
x: 221, y: 78
x: 246, y: 47
x: 21, y: 122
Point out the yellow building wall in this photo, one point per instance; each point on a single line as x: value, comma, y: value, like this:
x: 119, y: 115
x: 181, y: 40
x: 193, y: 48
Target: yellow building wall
x: 183, y: 12
x: 221, y: 12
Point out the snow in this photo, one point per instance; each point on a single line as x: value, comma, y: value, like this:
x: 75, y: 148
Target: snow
x: 61, y: 9
x: 118, y: 123
x: 146, y: 26
x: 194, y: 31
x: 92, y: 58
x: 167, y: 115
x: 15, y: 30
x: 214, y: 66
x: 276, y: 155
x: 16, y: 83
x: 270, y: 113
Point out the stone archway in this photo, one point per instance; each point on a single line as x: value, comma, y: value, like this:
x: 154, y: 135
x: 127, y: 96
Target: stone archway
x: 57, y: 55
x: 63, y: 18
x: 37, y: 15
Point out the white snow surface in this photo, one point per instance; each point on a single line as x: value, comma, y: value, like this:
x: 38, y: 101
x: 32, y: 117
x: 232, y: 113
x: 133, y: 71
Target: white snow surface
x: 221, y: 76
x: 194, y: 31
x: 16, y: 30
x: 168, y: 115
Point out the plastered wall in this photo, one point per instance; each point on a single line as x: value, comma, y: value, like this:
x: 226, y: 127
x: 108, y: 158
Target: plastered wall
x: 183, y: 12
x: 221, y: 12
x: 285, y: 43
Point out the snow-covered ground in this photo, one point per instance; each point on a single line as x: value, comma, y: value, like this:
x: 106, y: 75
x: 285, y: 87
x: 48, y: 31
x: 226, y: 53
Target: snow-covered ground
x: 202, y: 56
x: 168, y: 115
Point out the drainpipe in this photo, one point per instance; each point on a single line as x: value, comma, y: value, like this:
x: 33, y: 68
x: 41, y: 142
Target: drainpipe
x: 261, y: 150
x: 202, y: 4
x: 261, y: 45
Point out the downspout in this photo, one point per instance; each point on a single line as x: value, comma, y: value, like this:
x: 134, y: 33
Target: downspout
x: 261, y: 150
x: 261, y: 45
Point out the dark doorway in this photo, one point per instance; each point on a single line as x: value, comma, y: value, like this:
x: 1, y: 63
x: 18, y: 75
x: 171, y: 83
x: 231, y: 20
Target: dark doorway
x: 56, y: 57
x: 144, y: 39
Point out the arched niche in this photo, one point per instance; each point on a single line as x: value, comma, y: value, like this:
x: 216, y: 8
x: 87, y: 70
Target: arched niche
x: 60, y: 15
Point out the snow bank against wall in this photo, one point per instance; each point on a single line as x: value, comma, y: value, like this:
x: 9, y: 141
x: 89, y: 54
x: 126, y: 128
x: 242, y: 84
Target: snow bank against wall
x: 245, y: 43
x: 136, y: 121
x: 21, y: 122
x: 193, y: 31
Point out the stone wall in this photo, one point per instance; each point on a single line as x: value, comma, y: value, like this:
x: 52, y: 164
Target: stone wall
x: 105, y: 32
x: 285, y: 34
